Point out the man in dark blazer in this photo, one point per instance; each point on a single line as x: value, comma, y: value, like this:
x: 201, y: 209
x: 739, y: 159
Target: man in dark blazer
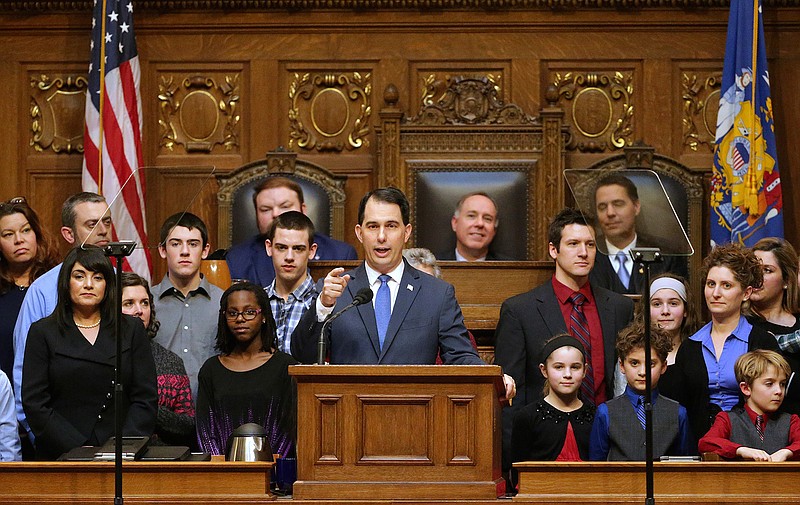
x: 616, y: 202
x: 271, y: 198
x: 421, y: 313
x: 530, y: 319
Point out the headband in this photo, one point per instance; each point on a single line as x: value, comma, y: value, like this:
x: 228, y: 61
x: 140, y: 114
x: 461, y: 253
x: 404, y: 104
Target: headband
x: 669, y: 283
x: 562, y: 341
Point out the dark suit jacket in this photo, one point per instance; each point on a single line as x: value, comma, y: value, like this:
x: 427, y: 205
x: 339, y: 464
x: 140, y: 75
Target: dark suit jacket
x: 67, y: 390
x: 604, y: 275
x: 450, y: 255
x: 249, y: 260
x: 527, y: 321
x: 426, y: 318
x: 686, y: 381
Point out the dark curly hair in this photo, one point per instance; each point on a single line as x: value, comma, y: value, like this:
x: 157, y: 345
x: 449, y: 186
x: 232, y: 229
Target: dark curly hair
x: 632, y: 337
x: 743, y: 264
x: 226, y: 342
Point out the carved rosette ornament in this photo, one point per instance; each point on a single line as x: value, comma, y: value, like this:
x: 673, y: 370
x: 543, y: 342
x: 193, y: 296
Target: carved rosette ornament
x: 57, y: 113
x: 700, y: 94
x: 199, y: 114
x: 469, y: 101
x: 599, y: 109
x: 330, y: 111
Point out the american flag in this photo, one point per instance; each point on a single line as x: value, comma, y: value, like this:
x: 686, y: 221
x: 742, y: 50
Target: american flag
x: 112, y: 135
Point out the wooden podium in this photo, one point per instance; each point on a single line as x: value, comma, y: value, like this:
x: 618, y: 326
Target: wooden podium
x: 397, y: 432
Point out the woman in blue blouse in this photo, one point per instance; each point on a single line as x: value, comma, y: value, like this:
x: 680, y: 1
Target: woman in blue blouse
x: 702, y: 378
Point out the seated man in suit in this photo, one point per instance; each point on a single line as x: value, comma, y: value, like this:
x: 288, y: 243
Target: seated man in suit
x: 474, y: 222
x: 617, y: 205
x: 413, y: 315
x: 274, y: 196
x: 568, y: 303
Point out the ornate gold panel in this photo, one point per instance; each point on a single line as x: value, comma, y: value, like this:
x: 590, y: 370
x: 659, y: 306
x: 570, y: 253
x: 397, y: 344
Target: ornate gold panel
x: 199, y: 112
x: 700, y: 94
x: 57, y: 111
x: 599, y: 108
x: 330, y: 111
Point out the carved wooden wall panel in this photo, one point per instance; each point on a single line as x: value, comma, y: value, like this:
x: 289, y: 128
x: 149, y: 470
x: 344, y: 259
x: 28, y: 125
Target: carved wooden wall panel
x: 200, y: 111
x: 599, y: 104
x: 57, y: 111
x: 329, y: 110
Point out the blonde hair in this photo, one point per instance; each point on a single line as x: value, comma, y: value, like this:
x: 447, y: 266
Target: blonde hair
x: 752, y: 365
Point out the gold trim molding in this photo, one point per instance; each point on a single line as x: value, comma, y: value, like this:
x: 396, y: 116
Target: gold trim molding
x: 27, y: 6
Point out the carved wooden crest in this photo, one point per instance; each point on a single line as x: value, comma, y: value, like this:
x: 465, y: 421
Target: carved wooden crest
x: 469, y: 101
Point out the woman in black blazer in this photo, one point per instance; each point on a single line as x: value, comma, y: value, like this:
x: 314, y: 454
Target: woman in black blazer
x: 68, y: 371
x: 702, y: 378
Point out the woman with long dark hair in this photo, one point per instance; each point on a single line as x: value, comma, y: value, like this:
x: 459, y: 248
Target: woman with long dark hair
x: 26, y: 252
x: 68, y: 386
x: 249, y: 381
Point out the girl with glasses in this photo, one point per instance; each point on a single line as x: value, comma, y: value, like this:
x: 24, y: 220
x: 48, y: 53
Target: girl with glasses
x: 248, y: 382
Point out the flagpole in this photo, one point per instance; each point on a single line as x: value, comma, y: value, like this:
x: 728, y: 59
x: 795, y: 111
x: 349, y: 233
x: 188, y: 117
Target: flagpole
x: 102, y: 68
x: 751, y: 199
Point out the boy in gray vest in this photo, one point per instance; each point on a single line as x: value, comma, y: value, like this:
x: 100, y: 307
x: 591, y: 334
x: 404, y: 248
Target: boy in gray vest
x: 618, y: 432
x: 756, y: 430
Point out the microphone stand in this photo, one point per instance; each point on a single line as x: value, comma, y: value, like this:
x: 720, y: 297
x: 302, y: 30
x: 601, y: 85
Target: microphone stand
x: 321, y: 342
x: 118, y: 250
x: 646, y: 256
x: 363, y: 296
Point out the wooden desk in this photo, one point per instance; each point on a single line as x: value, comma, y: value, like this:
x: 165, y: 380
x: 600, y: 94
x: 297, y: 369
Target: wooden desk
x: 206, y: 482
x: 481, y: 286
x: 397, y: 432
x: 684, y: 483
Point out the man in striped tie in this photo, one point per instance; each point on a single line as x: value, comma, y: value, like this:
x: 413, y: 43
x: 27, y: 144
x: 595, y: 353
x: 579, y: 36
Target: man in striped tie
x: 568, y: 302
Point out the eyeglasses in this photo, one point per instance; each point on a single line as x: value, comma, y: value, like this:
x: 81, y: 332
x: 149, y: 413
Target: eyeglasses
x: 248, y: 315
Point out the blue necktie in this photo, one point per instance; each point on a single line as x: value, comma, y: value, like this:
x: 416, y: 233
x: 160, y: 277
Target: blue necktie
x: 624, y: 276
x: 383, y: 308
x: 640, y: 411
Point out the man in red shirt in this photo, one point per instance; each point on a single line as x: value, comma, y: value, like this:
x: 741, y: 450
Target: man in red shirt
x: 568, y: 303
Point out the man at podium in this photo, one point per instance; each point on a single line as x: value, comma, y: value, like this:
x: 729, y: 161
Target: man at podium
x: 412, y: 315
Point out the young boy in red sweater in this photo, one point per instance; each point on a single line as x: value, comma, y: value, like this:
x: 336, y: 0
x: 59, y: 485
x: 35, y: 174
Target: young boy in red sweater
x: 757, y: 431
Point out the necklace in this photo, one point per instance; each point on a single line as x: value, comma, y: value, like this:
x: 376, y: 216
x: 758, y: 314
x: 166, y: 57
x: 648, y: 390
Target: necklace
x: 87, y: 326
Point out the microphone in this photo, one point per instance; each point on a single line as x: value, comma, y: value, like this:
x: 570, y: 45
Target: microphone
x: 363, y: 296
